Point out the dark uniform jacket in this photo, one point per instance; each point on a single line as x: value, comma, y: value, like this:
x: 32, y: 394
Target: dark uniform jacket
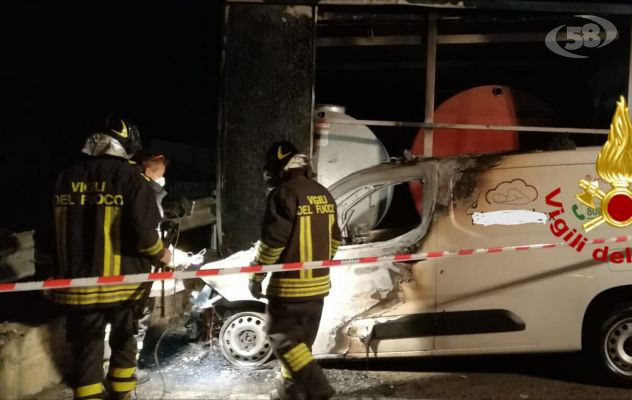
x: 300, y: 224
x: 104, y: 224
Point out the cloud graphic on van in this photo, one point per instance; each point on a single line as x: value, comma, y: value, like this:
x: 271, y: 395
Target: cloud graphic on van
x: 516, y: 192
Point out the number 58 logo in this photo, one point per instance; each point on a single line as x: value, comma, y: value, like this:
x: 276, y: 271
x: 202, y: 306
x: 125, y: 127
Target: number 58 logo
x: 588, y: 35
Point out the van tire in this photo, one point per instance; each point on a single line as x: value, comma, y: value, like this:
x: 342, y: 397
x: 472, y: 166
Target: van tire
x: 243, y: 341
x: 609, y: 345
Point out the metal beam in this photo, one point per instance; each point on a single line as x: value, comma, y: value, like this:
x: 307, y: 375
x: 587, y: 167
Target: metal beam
x: 441, y: 64
x: 571, y: 7
x: 595, y: 7
x: 440, y: 125
x: 333, y: 17
x: 431, y: 71
x: 514, y: 37
x: 469, y: 38
x: 348, y: 41
x: 426, y: 3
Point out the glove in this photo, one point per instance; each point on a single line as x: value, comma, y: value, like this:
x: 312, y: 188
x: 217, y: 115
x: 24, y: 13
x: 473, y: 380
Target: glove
x: 183, y: 259
x: 254, y: 285
x: 198, y: 258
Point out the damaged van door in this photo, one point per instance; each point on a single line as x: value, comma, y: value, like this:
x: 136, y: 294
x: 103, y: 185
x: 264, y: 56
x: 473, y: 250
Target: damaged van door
x: 368, y: 308
x: 360, y: 296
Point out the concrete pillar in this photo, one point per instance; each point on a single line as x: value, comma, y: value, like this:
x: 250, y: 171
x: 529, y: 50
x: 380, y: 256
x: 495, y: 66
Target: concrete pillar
x: 268, y: 75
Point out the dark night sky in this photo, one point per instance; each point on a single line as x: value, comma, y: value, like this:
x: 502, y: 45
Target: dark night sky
x: 65, y: 65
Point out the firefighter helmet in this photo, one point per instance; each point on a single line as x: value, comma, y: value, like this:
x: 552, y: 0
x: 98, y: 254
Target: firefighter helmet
x: 277, y: 157
x: 125, y: 132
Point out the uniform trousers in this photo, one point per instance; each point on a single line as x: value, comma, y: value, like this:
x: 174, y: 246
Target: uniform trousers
x: 85, y: 331
x: 291, y: 328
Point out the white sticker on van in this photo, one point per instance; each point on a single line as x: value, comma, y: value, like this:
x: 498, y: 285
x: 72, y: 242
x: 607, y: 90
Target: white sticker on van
x: 508, y: 217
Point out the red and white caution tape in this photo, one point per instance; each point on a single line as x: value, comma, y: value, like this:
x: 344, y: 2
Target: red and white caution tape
x: 210, y: 271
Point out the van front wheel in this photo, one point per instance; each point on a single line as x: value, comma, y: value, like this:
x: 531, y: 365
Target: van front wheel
x: 243, y: 340
x: 611, y: 346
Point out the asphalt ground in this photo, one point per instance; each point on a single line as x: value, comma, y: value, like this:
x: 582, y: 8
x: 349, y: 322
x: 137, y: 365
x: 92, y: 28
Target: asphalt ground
x: 198, y: 371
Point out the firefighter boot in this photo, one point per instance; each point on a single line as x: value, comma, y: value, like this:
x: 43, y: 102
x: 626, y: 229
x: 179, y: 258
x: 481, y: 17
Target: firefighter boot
x: 287, y: 389
x: 325, y: 394
x: 120, y: 396
x: 319, y: 389
x: 114, y: 395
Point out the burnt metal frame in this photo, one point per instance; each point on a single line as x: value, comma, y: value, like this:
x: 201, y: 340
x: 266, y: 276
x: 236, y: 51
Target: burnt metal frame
x: 431, y: 74
x: 466, y: 38
x: 432, y: 39
x: 439, y: 125
x: 554, y: 6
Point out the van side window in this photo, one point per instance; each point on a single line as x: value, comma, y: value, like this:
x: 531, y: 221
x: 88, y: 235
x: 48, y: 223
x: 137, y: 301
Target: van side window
x: 377, y: 213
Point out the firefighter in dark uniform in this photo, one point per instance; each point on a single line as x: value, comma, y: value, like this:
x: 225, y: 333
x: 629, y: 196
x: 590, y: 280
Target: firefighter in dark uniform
x: 300, y: 224
x: 103, y: 223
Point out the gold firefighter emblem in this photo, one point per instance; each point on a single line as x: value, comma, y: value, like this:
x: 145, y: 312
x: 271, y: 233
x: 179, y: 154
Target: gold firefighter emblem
x: 123, y: 133
x: 281, y: 155
x: 614, y: 165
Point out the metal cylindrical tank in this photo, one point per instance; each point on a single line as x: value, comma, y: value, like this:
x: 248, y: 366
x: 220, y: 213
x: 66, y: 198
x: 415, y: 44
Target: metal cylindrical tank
x: 340, y: 150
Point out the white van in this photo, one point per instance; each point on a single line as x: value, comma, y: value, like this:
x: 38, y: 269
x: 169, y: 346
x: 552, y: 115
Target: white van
x: 554, y: 299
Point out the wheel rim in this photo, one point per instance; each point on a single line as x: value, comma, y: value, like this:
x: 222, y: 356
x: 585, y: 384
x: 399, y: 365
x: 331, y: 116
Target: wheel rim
x: 618, y: 347
x: 243, y: 340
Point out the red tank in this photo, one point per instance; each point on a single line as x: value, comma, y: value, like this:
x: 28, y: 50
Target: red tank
x: 483, y: 105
